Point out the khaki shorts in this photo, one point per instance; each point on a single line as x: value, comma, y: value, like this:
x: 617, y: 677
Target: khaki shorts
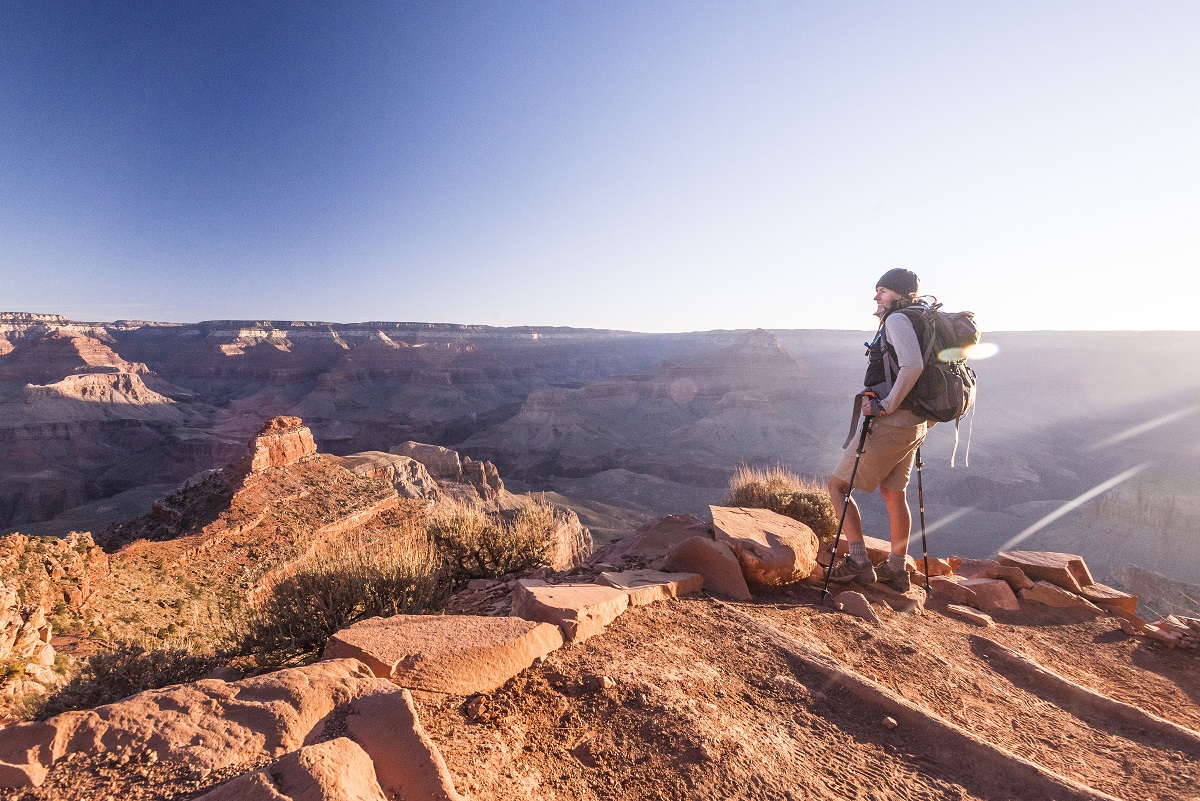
x: 887, y: 459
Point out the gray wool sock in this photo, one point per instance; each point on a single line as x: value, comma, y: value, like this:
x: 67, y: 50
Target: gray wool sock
x: 895, y: 562
x: 858, y: 552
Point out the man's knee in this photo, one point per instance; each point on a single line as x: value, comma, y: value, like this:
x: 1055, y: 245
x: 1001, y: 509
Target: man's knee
x: 838, y: 487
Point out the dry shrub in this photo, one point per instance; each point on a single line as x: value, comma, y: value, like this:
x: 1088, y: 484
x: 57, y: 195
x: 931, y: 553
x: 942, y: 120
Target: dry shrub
x: 478, y: 544
x: 121, y: 671
x: 782, y: 491
x: 364, y: 576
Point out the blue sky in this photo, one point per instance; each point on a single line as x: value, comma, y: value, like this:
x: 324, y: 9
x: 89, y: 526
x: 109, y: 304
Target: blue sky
x: 655, y: 166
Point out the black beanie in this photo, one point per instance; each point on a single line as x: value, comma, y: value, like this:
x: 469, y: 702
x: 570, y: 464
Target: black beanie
x: 901, y: 281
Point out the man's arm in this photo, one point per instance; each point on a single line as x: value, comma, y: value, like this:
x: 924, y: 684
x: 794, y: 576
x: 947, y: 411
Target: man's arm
x: 900, y: 335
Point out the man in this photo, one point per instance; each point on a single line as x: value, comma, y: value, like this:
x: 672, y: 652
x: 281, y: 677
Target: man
x: 895, y: 364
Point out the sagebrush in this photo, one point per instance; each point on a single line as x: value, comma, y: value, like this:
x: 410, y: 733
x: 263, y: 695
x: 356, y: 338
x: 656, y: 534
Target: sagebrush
x: 782, y: 491
x: 478, y: 544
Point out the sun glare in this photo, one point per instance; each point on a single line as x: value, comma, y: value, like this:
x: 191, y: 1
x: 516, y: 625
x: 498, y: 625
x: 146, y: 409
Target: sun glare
x: 981, y: 350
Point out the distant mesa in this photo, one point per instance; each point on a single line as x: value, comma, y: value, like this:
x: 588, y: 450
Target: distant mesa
x: 281, y: 442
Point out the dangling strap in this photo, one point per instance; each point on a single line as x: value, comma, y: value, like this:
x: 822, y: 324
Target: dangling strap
x: 970, y: 430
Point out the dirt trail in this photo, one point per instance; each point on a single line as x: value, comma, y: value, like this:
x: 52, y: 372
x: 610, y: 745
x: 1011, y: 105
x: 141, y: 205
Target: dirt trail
x: 689, y: 699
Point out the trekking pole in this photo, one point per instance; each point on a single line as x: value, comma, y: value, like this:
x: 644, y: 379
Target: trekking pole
x: 921, y: 505
x: 862, y: 444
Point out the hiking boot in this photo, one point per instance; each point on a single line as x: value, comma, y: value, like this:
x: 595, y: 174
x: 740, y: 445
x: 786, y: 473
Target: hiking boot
x: 898, y: 580
x: 849, y: 570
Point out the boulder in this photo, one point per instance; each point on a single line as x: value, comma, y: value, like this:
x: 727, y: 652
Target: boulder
x: 969, y: 568
x: 992, y: 594
x: 937, y: 567
x: 772, y: 549
x: 715, y: 561
x: 647, y: 586
x: 653, y: 541
x: 855, y: 603
x: 1015, y: 577
x: 1064, y: 569
x: 951, y: 589
x: 408, y: 476
x: 337, y: 770
x: 441, y: 462
x: 911, y: 602
x: 1043, y: 592
x: 580, y: 610
x: 459, y: 654
x: 1104, y: 596
x: 212, y: 725
x: 281, y: 442
x: 971, y: 615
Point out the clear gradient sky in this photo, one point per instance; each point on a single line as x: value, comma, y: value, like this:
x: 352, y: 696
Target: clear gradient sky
x: 653, y: 166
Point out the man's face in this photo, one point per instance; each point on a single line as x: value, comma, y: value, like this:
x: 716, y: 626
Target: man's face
x: 885, y: 299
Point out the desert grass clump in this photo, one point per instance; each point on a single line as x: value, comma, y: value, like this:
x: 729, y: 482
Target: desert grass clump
x: 122, y: 670
x: 365, y: 576
x: 782, y: 491
x: 478, y: 544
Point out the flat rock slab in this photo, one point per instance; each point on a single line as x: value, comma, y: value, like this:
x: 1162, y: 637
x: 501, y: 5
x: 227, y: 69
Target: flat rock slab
x: 337, y: 770
x: 713, y: 560
x: 969, y: 568
x: 1043, y: 592
x: 580, y: 610
x: 456, y: 654
x: 1064, y: 569
x: 993, y: 594
x: 1015, y: 577
x: 971, y: 615
x: 952, y: 590
x: 648, y: 586
x: 1105, y: 596
x: 771, y: 548
x: 855, y: 603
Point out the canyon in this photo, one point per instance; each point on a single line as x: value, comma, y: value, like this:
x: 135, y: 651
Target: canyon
x: 100, y: 420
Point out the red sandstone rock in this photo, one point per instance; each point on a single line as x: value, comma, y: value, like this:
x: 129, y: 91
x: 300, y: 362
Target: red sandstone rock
x: 971, y: 615
x: 1105, y: 596
x: 647, y: 586
x: 937, y: 567
x: 208, y: 724
x: 653, y: 541
x: 715, y: 561
x: 282, y: 441
x: 772, y: 549
x: 459, y: 654
x: 337, y: 770
x: 951, y: 589
x: 969, y: 568
x: 580, y: 610
x: 1064, y: 569
x: 1015, y: 577
x: 407, y: 763
x: 992, y: 594
x: 1043, y: 592
x: 855, y: 603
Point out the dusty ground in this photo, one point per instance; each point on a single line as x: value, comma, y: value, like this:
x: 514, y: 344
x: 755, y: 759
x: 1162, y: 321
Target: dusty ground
x: 690, y: 699
x: 699, y: 705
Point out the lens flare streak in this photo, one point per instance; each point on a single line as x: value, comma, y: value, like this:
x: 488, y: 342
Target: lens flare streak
x: 948, y: 519
x: 1071, y: 505
x: 1142, y: 428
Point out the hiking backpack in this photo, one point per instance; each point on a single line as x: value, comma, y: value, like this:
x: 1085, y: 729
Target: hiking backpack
x: 946, y: 389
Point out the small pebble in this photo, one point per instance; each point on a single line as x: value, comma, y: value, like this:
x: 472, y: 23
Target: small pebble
x: 890, y: 723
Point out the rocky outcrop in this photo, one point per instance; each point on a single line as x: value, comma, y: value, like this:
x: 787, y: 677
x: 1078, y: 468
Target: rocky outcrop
x: 408, y: 476
x: 213, y: 727
x: 282, y: 441
x: 1067, y: 570
x: 441, y: 463
x: 24, y: 630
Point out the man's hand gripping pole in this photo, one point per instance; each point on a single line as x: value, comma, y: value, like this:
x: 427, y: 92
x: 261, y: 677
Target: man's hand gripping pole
x: 862, y: 444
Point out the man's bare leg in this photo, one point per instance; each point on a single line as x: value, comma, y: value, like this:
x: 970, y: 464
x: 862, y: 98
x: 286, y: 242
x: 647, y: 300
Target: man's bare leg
x: 899, y: 519
x: 852, y: 528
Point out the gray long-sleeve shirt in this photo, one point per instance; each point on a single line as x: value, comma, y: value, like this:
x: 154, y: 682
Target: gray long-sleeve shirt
x: 899, y: 332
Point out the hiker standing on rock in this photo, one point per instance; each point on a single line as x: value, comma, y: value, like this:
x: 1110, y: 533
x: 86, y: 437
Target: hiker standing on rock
x: 891, y: 445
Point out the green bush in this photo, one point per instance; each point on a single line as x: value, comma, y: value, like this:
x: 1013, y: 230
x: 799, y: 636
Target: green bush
x: 782, y: 491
